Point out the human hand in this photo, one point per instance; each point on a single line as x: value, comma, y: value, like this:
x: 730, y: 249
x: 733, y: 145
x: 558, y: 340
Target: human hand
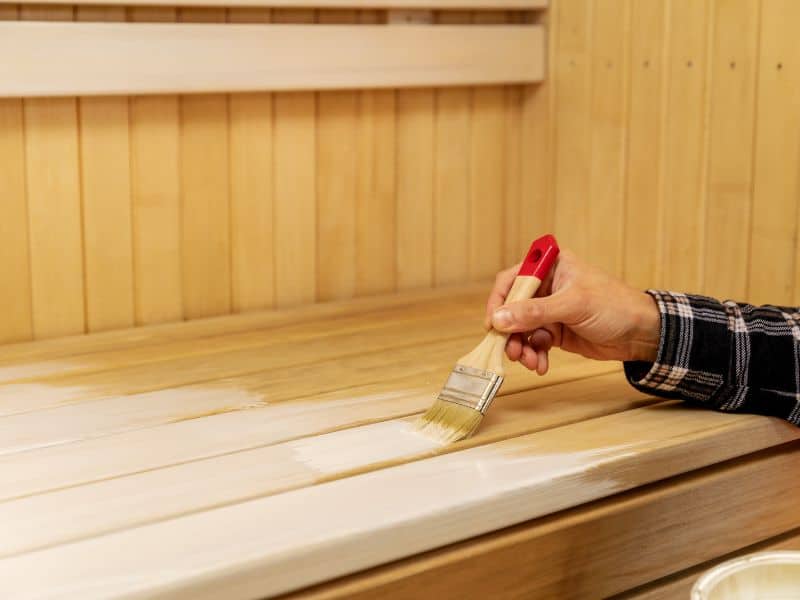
x: 579, y: 308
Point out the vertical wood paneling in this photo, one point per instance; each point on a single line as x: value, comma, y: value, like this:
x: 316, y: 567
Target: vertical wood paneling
x: 205, y: 205
x: 572, y: 79
x: 487, y: 174
x: 685, y: 144
x: 538, y: 145
x: 15, y: 300
x: 336, y: 185
x: 415, y: 160
x: 608, y: 139
x: 294, y: 169
x: 252, y: 234
x: 106, y: 201
x: 642, y: 257
x: 52, y: 169
x: 155, y: 191
x: 730, y: 170
x: 512, y: 177
x: 772, y: 266
x: 375, y: 200
x: 452, y: 177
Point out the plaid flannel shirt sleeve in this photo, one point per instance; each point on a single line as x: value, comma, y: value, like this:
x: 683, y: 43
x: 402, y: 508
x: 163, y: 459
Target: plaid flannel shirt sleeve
x: 724, y: 355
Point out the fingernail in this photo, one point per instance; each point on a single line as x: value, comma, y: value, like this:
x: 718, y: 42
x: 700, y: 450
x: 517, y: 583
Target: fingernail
x: 501, y: 318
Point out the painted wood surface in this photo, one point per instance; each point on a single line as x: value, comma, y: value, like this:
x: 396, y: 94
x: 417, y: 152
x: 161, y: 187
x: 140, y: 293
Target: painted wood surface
x: 202, y: 460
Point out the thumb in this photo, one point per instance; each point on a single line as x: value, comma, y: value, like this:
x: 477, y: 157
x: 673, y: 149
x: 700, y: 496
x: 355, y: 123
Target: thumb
x: 528, y: 315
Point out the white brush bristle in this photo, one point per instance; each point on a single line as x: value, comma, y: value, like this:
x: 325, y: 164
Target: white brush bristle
x: 449, y: 422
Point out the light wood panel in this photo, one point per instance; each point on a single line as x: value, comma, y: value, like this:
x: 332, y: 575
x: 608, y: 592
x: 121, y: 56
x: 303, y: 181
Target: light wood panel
x: 601, y: 549
x: 414, y: 188
x: 642, y: 259
x: 335, y: 4
x: 686, y: 144
x: 15, y: 269
x: 215, y: 58
x: 265, y: 546
x: 680, y: 585
x: 772, y: 264
x: 608, y: 140
x: 572, y: 80
x: 731, y: 131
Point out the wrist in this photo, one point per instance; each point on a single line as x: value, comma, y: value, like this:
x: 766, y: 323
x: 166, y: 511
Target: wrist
x: 647, y: 329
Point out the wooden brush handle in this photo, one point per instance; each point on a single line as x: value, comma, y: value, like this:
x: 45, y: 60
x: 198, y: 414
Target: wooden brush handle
x: 538, y: 261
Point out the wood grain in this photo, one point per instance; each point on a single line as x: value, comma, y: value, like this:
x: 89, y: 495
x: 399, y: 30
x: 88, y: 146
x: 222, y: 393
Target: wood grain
x: 731, y: 131
x: 608, y: 142
x: 15, y: 302
x: 642, y: 252
x: 414, y: 188
x: 346, y: 4
x: 255, y: 547
x: 572, y: 80
x: 217, y: 58
x: 337, y: 113
x: 772, y: 266
x: 686, y: 144
x: 593, y: 551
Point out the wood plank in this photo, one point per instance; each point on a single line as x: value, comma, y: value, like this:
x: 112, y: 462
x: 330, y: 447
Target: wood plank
x: 106, y: 208
x: 642, y: 251
x: 349, y: 4
x: 252, y: 227
x: 217, y: 57
x: 685, y: 144
x: 451, y: 198
x: 572, y: 80
x: 538, y: 147
x: 295, y: 130
x: 15, y: 270
x: 731, y: 129
x: 205, y: 195
x: 214, y: 342
x: 337, y: 113
x: 772, y: 267
x: 266, y: 471
x: 271, y: 353
x: 266, y: 546
x: 401, y: 391
x: 487, y: 174
x: 608, y: 143
x: 414, y: 188
x: 54, y: 213
x: 155, y: 189
x: 541, y: 560
x: 680, y: 585
x: 375, y: 196
x: 23, y: 353
x: 513, y: 233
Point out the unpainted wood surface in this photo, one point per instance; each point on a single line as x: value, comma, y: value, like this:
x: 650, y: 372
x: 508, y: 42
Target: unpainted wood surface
x: 116, y: 453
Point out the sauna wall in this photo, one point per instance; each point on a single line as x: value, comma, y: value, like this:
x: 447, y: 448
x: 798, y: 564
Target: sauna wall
x: 122, y: 211
x: 663, y: 146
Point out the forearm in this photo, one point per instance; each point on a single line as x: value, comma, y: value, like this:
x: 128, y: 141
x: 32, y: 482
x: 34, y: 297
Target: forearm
x: 728, y: 356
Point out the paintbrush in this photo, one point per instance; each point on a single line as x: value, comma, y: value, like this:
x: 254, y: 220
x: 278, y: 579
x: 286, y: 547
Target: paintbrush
x: 477, y: 377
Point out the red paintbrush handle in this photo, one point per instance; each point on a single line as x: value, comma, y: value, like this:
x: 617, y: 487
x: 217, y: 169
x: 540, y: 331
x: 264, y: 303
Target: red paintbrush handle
x: 540, y: 257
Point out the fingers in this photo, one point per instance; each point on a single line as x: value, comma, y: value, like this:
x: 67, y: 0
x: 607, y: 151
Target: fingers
x: 514, y: 347
x: 535, y: 313
x: 502, y: 284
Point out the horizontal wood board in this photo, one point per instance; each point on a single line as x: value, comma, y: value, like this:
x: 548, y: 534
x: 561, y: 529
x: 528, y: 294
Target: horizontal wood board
x: 220, y: 457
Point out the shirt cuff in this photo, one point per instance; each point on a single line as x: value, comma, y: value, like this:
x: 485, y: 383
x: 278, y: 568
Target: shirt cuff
x: 671, y: 366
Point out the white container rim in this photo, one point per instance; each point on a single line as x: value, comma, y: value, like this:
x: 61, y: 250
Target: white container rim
x: 711, y: 578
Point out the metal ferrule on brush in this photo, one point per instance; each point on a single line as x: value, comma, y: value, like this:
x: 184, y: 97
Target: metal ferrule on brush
x: 470, y: 387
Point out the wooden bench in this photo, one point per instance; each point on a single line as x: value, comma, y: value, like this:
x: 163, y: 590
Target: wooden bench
x: 256, y: 455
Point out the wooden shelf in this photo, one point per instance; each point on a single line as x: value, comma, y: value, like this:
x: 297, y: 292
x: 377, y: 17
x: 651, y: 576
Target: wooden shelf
x: 62, y: 59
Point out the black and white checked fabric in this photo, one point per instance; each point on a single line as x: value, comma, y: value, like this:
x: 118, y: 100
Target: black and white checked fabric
x: 724, y: 355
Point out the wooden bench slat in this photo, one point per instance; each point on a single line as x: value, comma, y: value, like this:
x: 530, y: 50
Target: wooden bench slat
x: 283, y: 542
